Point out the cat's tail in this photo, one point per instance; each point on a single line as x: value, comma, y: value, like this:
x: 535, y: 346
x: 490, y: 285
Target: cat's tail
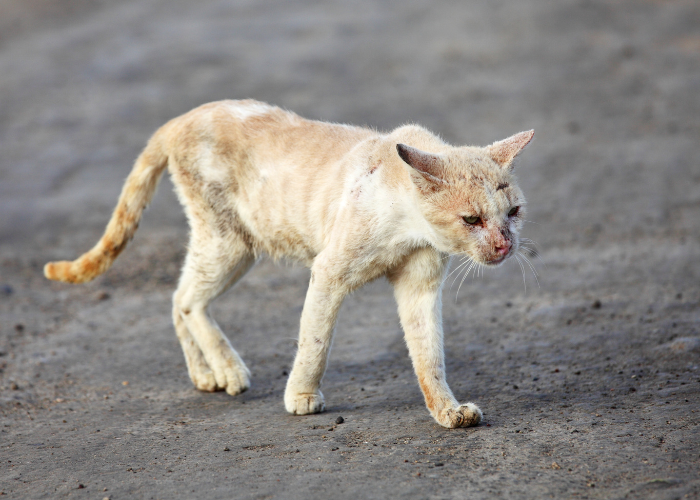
x: 135, y: 197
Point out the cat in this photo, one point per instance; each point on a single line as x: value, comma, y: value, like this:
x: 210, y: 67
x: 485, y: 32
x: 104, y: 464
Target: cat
x: 351, y: 203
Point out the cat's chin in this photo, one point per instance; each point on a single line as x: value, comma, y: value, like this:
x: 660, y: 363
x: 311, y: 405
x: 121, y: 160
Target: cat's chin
x: 496, y: 262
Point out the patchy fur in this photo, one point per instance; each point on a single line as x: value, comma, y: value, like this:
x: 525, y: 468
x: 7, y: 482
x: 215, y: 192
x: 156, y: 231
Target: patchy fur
x: 351, y: 203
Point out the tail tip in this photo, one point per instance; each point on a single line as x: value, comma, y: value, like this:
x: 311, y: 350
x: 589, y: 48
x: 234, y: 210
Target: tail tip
x: 59, y: 271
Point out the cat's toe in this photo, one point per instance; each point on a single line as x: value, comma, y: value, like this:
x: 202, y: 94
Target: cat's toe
x: 466, y: 415
x: 305, y: 404
x: 231, y: 374
x: 204, y: 381
x: 237, y: 381
x: 471, y: 415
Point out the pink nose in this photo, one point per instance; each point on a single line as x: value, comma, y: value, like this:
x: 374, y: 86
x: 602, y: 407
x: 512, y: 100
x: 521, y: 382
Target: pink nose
x: 503, y: 247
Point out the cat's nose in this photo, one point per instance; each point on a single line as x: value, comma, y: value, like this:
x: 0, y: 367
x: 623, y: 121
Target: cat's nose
x: 503, y: 247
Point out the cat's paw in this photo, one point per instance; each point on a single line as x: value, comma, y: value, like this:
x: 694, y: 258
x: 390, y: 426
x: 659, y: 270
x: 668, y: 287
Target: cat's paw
x: 466, y: 415
x: 230, y: 373
x: 304, y: 404
x: 237, y: 380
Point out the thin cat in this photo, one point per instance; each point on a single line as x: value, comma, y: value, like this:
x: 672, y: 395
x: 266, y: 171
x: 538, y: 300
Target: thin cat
x: 351, y: 203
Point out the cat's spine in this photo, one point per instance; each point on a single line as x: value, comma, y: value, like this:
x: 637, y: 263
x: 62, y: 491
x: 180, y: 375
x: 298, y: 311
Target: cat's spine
x: 136, y: 194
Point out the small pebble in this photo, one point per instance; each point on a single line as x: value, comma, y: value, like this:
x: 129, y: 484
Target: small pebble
x: 14, y: 386
x: 597, y: 304
x: 339, y: 420
x: 227, y: 449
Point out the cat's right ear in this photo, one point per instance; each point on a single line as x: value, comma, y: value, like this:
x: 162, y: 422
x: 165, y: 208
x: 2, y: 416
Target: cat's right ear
x: 428, y: 165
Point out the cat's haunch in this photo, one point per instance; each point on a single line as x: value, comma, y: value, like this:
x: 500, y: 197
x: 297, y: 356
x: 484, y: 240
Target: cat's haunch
x: 351, y: 203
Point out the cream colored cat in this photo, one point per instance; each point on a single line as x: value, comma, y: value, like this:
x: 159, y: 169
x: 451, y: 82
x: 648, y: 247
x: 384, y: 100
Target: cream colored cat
x: 351, y: 203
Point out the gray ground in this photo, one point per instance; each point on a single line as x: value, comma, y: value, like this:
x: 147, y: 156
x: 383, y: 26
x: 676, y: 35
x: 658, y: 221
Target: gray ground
x: 589, y: 382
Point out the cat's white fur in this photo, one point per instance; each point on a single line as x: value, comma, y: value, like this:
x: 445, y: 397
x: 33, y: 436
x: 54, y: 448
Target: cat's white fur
x: 351, y: 203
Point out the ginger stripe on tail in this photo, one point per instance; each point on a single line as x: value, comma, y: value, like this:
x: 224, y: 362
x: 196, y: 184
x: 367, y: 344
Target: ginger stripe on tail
x: 135, y: 197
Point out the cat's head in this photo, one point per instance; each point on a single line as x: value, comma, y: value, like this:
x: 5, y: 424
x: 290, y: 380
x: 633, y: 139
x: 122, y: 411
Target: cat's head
x: 470, y: 197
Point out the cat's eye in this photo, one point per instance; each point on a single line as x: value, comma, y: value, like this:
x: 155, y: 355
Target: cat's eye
x: 513, y: 211
x: 471, y: 219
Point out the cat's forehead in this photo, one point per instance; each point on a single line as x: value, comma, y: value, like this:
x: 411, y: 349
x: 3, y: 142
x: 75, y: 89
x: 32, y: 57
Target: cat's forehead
x: 480, y: 185
x: 476, y: 167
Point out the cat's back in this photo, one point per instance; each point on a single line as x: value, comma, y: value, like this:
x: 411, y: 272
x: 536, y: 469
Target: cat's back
x: 283, y: 175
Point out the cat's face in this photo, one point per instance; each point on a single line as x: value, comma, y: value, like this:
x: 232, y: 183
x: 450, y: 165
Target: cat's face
x: 471, y: 198
x: 479, y: 212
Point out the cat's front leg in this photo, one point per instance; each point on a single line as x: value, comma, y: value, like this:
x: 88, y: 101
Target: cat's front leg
x: 418, y: 290
x: 303, y: 395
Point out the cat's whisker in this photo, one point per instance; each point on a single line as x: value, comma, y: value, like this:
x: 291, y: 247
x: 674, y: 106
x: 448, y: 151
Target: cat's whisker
x: 466, y: 273
x: 535, y: 251
x: 532, y: 252
x: 466, y: 267
x: 532, y: 268
x: 522, y: 270
x: 461, y: 264
x: 528, y: 241
x: 473, y: 265
x: 456, y: 277
x: 529, y: 262
x: 472, y: 269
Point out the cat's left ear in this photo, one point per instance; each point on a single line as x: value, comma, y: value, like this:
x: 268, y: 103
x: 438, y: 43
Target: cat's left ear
x: 504, y: 152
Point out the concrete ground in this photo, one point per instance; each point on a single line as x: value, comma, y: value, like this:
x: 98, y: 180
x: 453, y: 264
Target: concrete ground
x: 589, y: 381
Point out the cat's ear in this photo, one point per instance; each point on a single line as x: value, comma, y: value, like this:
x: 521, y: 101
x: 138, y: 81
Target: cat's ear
x: 504, y: 152
x: 429, y: 165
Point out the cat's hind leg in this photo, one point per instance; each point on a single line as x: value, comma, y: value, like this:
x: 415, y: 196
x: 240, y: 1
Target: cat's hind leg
x: 201, y: 375
x: 211, y: 267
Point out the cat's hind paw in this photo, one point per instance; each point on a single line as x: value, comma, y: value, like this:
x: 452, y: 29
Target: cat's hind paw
x: 232, y: 379
x: 204, y: 381
x: 237, y: 380
x: 305, y: 404
x: 466, y: 415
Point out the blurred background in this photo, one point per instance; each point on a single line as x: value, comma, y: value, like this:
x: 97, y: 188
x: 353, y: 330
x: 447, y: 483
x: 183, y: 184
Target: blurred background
x: 609, y: 86
x: 589, y: 382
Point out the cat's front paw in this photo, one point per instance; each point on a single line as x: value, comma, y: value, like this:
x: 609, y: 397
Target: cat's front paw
x: 304, y: 404
x: 466, y: 415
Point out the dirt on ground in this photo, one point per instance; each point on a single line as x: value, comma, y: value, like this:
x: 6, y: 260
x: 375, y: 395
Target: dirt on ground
x: 588, y: 380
